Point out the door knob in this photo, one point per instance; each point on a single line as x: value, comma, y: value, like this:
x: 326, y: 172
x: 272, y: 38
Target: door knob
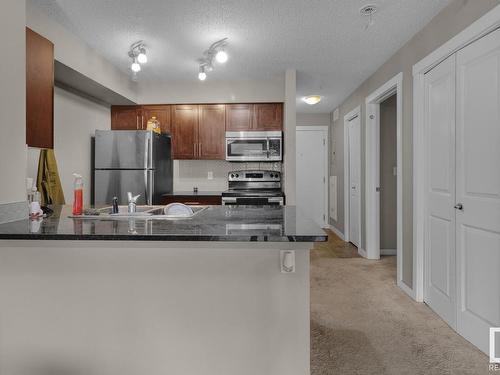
x: 459, y: 206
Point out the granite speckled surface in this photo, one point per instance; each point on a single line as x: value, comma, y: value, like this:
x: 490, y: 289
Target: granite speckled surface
x: 216, y: 223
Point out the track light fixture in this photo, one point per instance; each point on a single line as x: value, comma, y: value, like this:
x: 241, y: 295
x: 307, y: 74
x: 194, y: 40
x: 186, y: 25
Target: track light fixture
x: 202, y: 75
x: 215, y: 52
x: 138, y: 55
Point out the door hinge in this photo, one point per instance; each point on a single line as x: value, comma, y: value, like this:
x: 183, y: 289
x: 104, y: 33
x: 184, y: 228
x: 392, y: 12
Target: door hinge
x: 324, y: 142
x: 324, y: 180
x: 324, y: 217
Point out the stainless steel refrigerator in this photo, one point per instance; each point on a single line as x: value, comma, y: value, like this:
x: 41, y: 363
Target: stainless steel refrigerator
x: 138, y: 161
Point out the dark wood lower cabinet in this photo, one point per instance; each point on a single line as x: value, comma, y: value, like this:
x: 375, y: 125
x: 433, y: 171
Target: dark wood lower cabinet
x: 208, y: 200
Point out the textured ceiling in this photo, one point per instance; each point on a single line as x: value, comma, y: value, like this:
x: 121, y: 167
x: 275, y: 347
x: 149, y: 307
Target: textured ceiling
x: 324, y: 40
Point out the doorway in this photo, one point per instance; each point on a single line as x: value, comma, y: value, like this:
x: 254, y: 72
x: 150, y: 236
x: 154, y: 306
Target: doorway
x: 383, y: 102
x: 352, y: 178
x: 312, y: 173
x: 388, y: 174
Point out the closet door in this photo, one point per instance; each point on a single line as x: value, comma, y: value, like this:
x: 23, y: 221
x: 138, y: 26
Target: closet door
x: 439, y: 107
x: 478, y: 189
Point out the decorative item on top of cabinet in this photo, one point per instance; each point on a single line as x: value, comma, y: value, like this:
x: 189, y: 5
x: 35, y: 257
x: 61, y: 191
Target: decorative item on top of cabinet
x: 162, y: 114
x: 268, y: 116
x: 39, y: 91
x: 211, y: 131
x: 127, y: 117
x: 239, y: 117
x: 185, y: 131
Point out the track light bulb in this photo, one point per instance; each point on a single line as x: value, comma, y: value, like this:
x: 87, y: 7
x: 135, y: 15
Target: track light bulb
x: 136, y: 67
x: 221, y: 56
x: 202, y: 76
x: 141, y: 57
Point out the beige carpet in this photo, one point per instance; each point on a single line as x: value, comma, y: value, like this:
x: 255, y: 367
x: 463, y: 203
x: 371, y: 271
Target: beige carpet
x: 362, y: 323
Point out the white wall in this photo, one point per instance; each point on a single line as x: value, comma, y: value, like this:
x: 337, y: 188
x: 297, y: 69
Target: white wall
x: 75, y: 121
x: 212, y: 92
x: 190, y: 173
x: 131, y: 307
x: 289, y: 142
x: 313, y: 119
x: 194, y: 173
x: 449, y: 22
x: 75, y: 53
x: 13, y: 102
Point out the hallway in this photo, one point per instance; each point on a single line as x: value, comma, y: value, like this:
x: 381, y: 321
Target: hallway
x: 362, y: 323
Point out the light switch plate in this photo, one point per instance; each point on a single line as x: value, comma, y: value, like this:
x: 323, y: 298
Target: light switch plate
x: 210, y: 175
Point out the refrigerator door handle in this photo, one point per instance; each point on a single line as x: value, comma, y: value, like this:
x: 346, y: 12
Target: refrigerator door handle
x: 148, y: 184
x: 148, y: 152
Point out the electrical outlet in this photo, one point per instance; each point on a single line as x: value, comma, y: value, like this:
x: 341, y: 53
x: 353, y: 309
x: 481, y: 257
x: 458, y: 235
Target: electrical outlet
x: 287, y: 261
x: 210, y: 175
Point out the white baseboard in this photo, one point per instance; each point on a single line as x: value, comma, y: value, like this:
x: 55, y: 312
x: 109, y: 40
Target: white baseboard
x: 388, y: 252
x: 407, y: 290
x: 362, y: 252
x: 337, y: 232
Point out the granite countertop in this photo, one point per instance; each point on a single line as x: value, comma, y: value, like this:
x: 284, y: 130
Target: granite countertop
x: 191, y: 193
x: 216, y: 223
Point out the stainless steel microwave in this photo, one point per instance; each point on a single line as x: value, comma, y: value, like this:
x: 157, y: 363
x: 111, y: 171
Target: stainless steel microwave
x: 254, y: 146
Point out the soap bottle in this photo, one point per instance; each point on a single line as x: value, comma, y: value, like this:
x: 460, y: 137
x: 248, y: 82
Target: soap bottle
x: 78, y: 194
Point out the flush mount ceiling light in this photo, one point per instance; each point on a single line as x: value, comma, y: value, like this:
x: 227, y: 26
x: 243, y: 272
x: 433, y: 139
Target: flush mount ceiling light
x: 368, y: 11
x: 311, y: 99
x: 215, y: 52
x: 138, y: 55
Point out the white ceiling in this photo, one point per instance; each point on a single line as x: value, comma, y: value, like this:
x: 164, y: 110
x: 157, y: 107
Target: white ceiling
x: 324, y: 40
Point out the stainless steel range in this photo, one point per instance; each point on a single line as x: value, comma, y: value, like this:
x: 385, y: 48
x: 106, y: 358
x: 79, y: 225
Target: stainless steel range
x: 255, y: 188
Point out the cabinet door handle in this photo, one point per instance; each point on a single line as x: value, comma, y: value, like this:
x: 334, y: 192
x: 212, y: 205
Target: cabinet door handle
x: 199, y: 149
x: 137, y: 122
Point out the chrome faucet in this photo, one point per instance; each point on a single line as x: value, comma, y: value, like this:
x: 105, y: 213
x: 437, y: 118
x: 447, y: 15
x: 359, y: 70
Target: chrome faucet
x: 132, y: 202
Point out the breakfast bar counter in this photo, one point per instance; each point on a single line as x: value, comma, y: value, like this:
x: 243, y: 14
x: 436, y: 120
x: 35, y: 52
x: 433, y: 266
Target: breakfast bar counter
x: 225, y: 292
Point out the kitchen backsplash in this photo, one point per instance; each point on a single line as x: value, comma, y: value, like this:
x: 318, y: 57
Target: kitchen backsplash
x: 194, y: 173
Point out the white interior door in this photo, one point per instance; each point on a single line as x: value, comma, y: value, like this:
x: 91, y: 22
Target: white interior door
x: 478, y: 189
x: 312, y: 169
x: 354, y: 138
x: 439, y: 112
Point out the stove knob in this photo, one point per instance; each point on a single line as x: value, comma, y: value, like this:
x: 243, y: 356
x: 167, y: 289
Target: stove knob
x: 237, y: 175
x: 232, y: 175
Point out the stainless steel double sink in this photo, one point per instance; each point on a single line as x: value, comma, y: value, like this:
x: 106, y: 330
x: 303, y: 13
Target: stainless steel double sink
x: 142, y: 212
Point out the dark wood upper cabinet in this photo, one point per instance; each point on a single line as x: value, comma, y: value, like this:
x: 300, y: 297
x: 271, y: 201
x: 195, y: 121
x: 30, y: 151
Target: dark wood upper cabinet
x: 268, y: 116
x: 239, y: 117
x: 162, y: 114
x: 198, y: 131
x: 126, y: 117
x: 185, y: 131
x: 211, y: 131
x: 39, y: 91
